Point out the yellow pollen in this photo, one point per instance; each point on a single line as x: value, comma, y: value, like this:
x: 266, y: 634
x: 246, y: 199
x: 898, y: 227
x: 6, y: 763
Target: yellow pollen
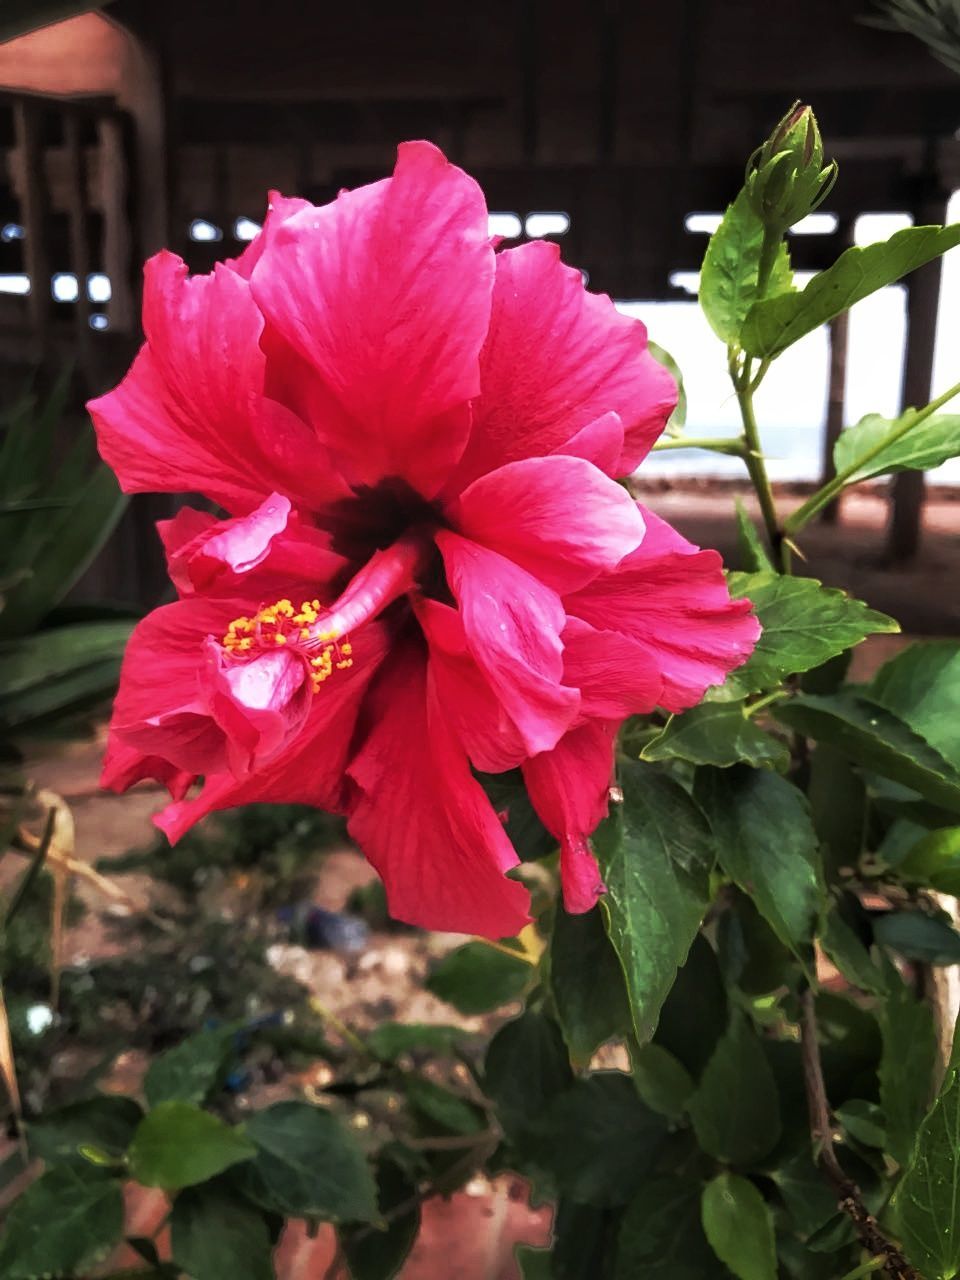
x: 282, y: 624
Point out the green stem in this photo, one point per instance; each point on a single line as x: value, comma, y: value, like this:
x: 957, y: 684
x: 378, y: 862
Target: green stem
x: 777, y: 696
x: 817, y: 501
x: 867, y: 1269
x: 732, y: 445
x: 753, y: 457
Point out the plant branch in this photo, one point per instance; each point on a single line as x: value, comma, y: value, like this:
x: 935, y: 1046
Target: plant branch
x: 731, y: 445
x: 753, y: 457
x: 817, y: 501
x: 849, y: 1198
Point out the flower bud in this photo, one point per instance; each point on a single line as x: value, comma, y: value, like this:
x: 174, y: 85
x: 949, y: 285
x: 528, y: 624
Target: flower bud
x: 786, y: 178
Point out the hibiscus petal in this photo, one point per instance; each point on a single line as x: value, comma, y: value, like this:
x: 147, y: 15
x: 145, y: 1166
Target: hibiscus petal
x: 512, y: 623
x: 190, y: 415
x: 569, y: 788
x: 613, y: 673
x: 600, y: 442
x: 312, y: 769
x: 463, y: 692
x: 124, y: 765
x: 423, y: 820
x: 671, y: 599
x: 158, y: 710
x: 385, y: 296
x: 204, y: 553
x: 560, y: 518
x: 556, y: 358
x: 260, y: 705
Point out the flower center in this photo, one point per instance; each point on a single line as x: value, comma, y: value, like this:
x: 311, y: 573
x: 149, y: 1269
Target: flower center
x: 280, y: 624
x: 319, y: 633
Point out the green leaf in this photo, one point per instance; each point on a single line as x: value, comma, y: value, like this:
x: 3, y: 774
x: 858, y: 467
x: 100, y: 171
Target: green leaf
x: 308, y: 1166
x: 804, y: 624
x: 66, y: 1221
x: 533, y: 1263
x: 216, y: 1235
x: 728, y: 278
x: 177, y: 1145
x: 598, y: 1139
x: 655, y: 855
x: 753, y: 958
x: 934, y: 861
x: 694, y: 1015
x: 766, y: 843
x: 841, y: 945
x: 390, y: 1040
x: 863, y: 1121
x: 661, y: 1236
x: 441, y: 1108
x: 736, y: 1109
x: 107, y: 1122
x: 776, y: 323
x: 662, y: 1081
x: 907, y: 1064
x: 376, y: 1252
x: 587, y: 983
x: 838, y: 807
x: 918, y: 937
x: 72, y: 538
x: 678, y: 418
x: 739, y: 1226
x: 525, y: 1067
x: 476, y: 978
x: 190, y: 1071
x: 717, y: 733
x: 875, y: 738
x: 928, y: 1198
x: 921, y: 685
x: 61, y: 651
x: 930, y: 442
x: 753, y: 554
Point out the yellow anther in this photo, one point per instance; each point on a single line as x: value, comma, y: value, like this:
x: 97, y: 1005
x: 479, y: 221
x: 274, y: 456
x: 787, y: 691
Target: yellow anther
x: 279, y: 638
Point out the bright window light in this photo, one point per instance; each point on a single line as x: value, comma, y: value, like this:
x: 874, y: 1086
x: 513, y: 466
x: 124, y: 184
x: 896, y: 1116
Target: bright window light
x: 245, y: 229
x: 99, y: 321
x: 507, y: 225
x: 98, y: 287
x: 204, y: 231
x: 547, y: 224
x: 12, y: 231
x: 869, y: 228
x: 704, y: 223
x: 816, y: 224
x: 15, y: 284
x: 64, y: 287
x: 689, y: 281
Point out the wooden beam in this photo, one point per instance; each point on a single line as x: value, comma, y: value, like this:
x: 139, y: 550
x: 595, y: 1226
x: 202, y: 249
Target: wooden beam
x: 923, y: 300
x: 837, y: 387
x: 114, y: 194
x: 79, y: 234
x: 33, y: 203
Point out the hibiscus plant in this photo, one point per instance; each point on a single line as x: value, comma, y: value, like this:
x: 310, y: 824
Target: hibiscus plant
x: 704, y: 870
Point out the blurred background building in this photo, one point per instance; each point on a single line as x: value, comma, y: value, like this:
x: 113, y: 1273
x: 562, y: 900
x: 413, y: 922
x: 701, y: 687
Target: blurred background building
x: 617, y: 127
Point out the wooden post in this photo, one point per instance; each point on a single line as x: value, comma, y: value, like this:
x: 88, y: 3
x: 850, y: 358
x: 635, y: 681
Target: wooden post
x: 839, y: 331
x: 116, y: 227
x: 77, y: 215
x: 923, y: 298
x: 33, y: 203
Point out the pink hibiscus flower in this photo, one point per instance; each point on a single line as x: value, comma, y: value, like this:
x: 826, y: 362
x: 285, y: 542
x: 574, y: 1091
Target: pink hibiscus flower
x: 429, y: 566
